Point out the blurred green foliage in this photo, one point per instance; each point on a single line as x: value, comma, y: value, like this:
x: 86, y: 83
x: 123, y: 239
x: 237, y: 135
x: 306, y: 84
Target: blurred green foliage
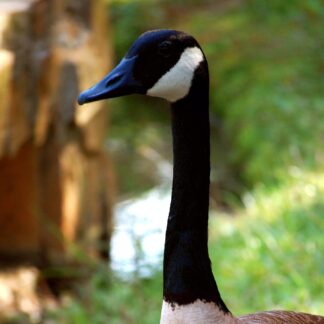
x: 266, y: 62
x: 267, y: 69
x: 110, y: 300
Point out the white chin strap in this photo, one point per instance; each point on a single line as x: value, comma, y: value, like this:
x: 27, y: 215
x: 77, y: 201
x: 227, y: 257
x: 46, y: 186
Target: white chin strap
x: 175, y: 84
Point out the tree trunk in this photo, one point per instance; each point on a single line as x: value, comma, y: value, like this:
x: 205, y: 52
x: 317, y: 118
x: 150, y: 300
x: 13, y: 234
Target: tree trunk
x: 55, y: 177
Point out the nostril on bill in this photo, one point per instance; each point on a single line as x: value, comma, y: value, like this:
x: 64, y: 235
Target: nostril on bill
x: 114, y: 79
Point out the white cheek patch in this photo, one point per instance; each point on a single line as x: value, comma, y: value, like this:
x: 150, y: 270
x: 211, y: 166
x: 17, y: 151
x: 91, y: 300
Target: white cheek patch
x: 176, y: 83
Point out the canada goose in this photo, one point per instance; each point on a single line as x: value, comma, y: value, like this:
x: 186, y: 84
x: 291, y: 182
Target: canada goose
x: 170, y: 64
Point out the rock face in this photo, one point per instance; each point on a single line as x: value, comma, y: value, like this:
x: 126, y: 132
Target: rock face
x: 55, y: 177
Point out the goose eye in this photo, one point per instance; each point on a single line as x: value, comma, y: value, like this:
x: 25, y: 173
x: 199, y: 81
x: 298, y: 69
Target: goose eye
x: 164, y: 49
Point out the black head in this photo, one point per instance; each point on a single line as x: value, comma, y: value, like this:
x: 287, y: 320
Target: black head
x: 160, y: 63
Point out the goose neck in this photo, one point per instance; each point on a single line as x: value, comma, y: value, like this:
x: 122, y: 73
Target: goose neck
x: 191, y: 162
x: 187, y: 269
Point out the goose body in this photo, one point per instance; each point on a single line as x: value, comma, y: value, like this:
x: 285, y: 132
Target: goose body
x: 171, y: 65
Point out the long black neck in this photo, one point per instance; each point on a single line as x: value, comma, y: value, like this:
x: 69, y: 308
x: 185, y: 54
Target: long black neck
x: 187, y: 268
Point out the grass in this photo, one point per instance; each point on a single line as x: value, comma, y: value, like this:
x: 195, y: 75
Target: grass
x: 272, y: 253
x: 267, y: 255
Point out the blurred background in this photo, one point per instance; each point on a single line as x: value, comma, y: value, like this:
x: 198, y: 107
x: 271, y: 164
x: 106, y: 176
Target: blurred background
x: 85, y: 191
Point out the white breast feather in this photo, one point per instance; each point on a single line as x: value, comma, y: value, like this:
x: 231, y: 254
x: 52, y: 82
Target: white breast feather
x: 198, y: 312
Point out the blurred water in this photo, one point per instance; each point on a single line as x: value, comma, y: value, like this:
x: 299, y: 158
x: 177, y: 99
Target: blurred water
x: 138, y: 239
x: 14, y: 5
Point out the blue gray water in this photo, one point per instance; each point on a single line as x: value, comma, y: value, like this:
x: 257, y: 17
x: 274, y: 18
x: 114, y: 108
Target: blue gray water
x: 138, y: 239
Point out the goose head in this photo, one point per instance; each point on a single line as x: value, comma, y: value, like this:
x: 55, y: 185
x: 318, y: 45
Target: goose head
x: 160, y: 63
